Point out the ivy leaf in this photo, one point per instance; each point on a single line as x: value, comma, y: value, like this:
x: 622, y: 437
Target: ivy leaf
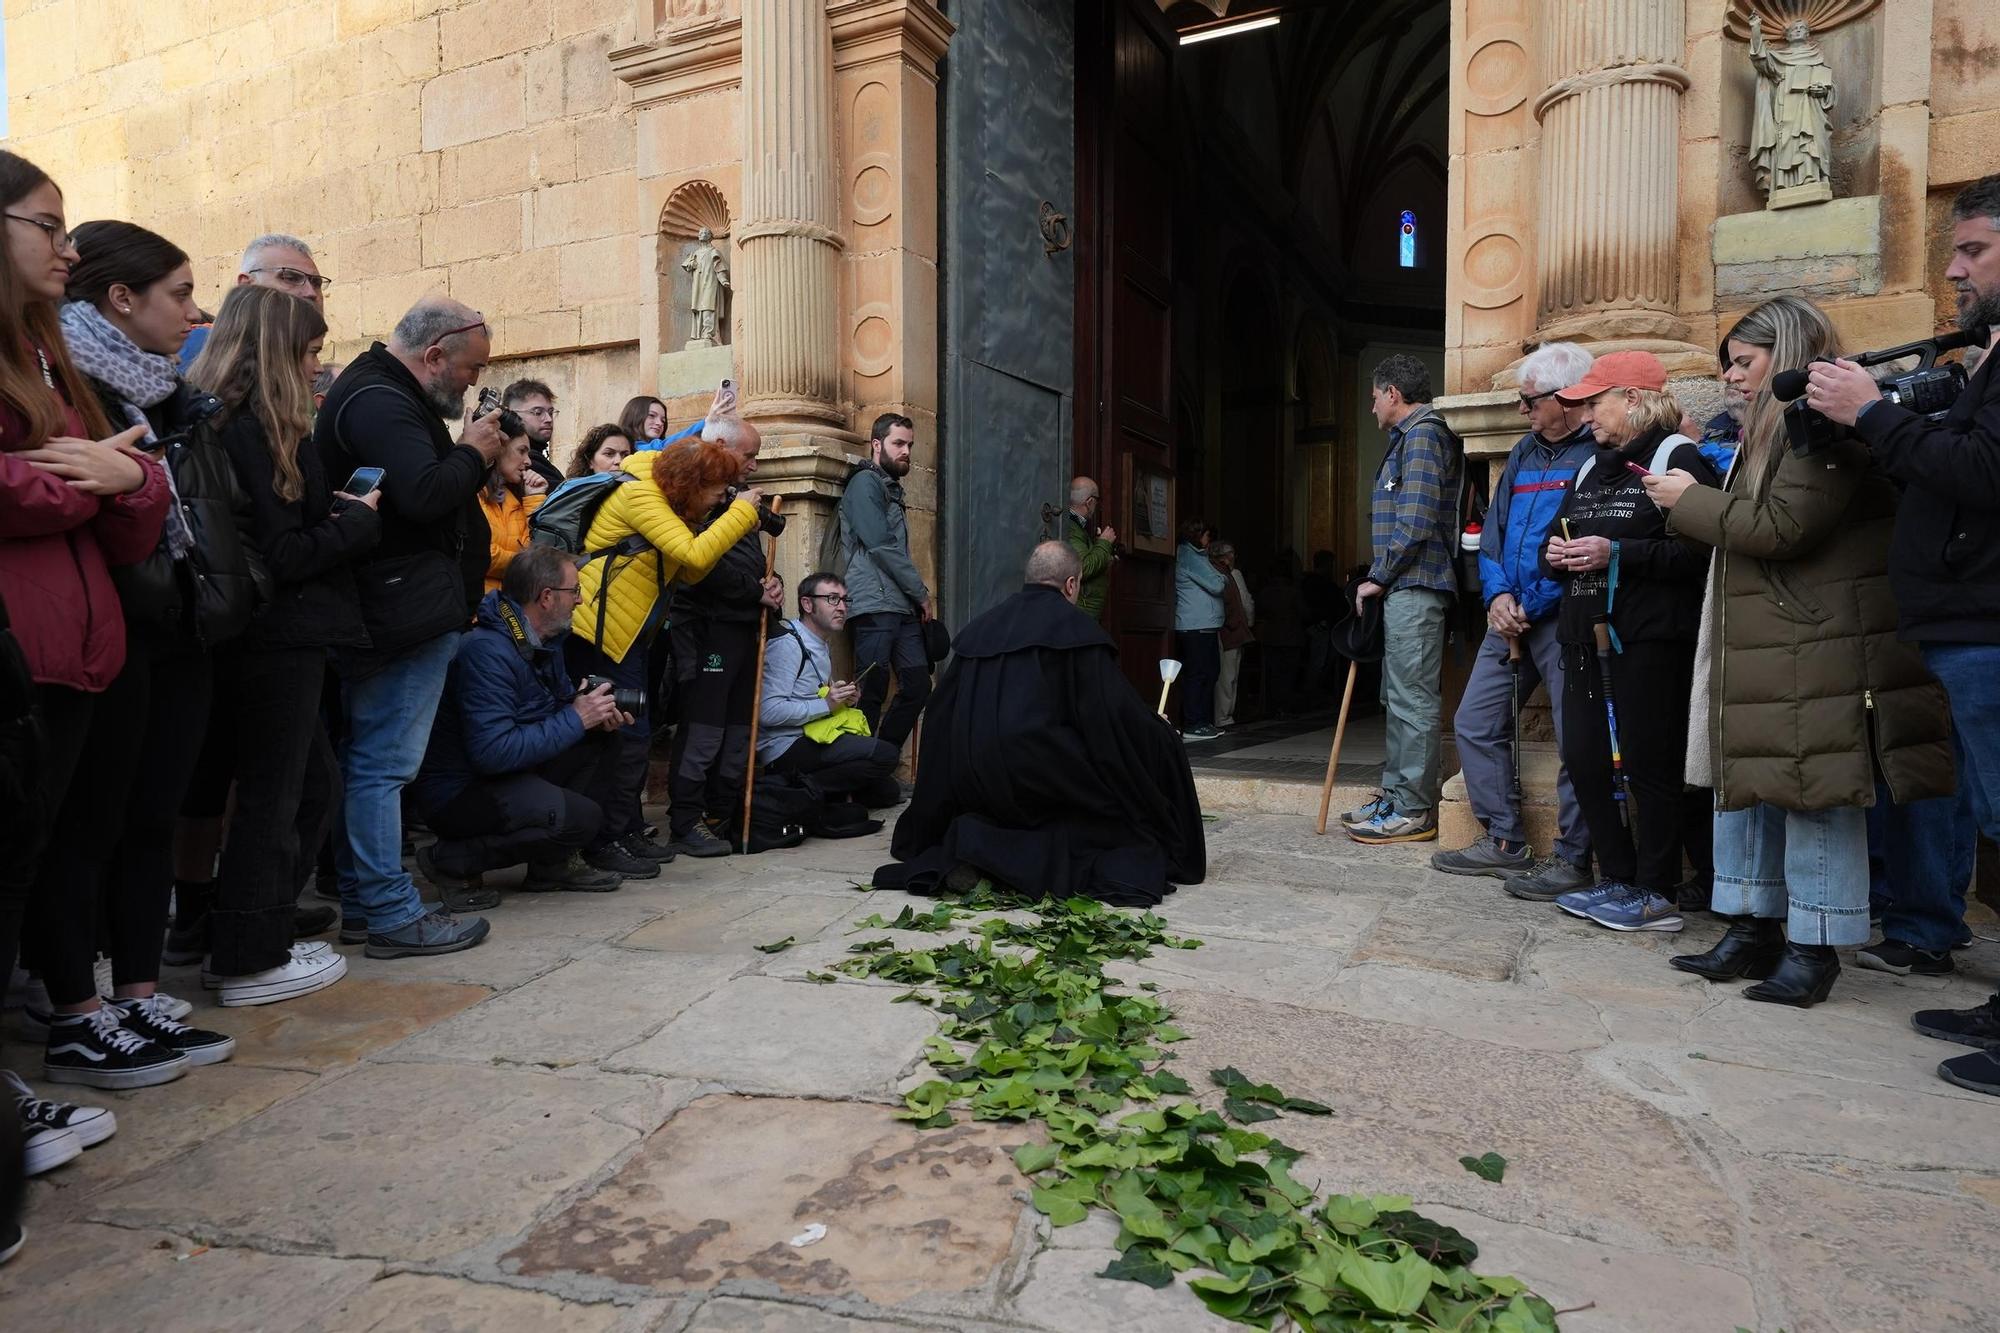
x: 1247, y: 1113
x: 1348, y: 1215
x: 1304, y: 1107
x: 821, y: 978
x: 1165, y: 1082
x: 1060, y: 1210
x: 777, y: 946
x: 1396, y: 1289
x: 1136, y: 1265
x: 1444, y: 1246
x: 1489, y: 1166
x: 1033, y: 1157
x: 1230, y: 1077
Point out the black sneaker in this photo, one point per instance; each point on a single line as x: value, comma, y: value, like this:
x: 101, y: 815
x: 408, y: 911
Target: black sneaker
x: 354, y: 930
x: 1695, y: 893
x: 646, y: 849
x: 148, y: 1018
x: 701, y: 841
x: 186, y: 943
x: 326, y: 884
x: 1904, y: 959
x: 313, y: 919
x: 1550, y: 879
x: 89, y: 1125
x: 458, y: 893
x: 570, y: 875
x: 1978, y: 1072
x: 616, y: 859
x: 97, y: 1050
x: 1978, y: 1027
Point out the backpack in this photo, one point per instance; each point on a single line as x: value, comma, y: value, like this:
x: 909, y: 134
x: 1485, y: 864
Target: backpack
x: 832, y: 550
x: 780, y: 808
x: 1662, y: 456
x: 564, y: 522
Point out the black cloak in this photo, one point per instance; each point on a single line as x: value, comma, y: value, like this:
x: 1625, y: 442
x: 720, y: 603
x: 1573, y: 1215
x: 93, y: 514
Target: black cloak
x: 1042, y: 768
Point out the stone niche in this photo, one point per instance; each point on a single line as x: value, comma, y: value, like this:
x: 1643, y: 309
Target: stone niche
x: 686, y: 368
x: 1819, y: 251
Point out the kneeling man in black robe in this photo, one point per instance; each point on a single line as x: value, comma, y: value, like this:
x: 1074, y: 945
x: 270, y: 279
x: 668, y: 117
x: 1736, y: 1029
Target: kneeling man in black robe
x: 1042, y: 769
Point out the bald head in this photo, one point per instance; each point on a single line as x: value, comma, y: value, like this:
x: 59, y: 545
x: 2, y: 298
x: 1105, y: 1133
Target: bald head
x: 1082, y: 490
x: 736, y: 435
x: 445, y: 344
x: 1054, y: 564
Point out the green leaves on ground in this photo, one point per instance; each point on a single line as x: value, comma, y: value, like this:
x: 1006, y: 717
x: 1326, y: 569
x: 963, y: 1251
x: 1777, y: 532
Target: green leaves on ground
x: 777, y: 946
x: 1488, y: 1166
x: 1033, y: 1030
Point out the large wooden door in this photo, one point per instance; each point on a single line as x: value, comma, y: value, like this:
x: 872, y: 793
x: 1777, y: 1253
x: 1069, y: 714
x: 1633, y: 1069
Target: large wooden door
x: 1124, y: 428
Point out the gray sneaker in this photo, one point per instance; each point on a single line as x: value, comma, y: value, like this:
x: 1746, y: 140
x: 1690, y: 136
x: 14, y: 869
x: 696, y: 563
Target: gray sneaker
x: 1549, y: 879
x: 1377, y: 804
x: 1395, y: 826
x: 1485, y: 857
x: 433, y: 932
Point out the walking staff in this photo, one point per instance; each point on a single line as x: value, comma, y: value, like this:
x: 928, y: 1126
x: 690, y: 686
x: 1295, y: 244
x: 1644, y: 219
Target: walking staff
x: 763, y: 639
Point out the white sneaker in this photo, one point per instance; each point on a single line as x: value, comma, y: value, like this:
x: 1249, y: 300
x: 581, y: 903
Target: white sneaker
x: 45, y: 1149
x: 212, y: 980
x: 311, y: 967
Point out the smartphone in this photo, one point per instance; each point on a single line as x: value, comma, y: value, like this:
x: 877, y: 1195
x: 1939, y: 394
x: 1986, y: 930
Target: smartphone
x: 364, y: 480
x: 1636, y: 470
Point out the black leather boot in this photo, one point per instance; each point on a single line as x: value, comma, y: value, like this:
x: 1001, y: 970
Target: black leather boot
x: 1803, y: 978
x: 1750, y: 948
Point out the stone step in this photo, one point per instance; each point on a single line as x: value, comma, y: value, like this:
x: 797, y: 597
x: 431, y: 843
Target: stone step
x: 1274, y: 796
x: 1539, y: 766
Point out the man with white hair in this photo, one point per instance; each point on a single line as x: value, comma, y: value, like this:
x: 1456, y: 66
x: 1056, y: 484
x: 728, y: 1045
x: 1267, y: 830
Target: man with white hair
x: 1521, y: 608
x: 1095, y: 544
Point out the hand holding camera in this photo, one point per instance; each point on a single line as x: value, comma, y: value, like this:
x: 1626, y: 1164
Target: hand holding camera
x: 491, y: 426
x: 602, y: 706
x: 1831, y: 393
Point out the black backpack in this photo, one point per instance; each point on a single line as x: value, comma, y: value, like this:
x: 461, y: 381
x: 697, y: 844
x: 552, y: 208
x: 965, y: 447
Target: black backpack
x: 780, y: 808
x: 564, y: 521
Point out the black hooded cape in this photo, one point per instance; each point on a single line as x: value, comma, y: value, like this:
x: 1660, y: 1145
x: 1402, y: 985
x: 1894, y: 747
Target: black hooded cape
x: 1042, y: 768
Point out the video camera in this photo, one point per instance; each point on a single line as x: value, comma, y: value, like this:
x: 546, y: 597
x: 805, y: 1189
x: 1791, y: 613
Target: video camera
x: 1928, y: 391
x: 510, y: 420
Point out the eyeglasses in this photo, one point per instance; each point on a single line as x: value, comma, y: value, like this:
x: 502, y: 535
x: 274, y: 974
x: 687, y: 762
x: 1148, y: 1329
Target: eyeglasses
x: 58, y: 234
x: 572, y: 588
x: 1528, y: 400
x: 550, y: 412
x: 479, y: 323
x: 293, y: 277
x: 837, y: 598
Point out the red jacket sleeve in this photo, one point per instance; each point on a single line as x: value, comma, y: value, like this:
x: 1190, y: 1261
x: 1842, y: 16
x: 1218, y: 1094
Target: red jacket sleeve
x: 128, y: 526
x: 38, y: 503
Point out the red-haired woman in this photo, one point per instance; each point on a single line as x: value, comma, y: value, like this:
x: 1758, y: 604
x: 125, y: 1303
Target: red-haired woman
x: 651, y: 519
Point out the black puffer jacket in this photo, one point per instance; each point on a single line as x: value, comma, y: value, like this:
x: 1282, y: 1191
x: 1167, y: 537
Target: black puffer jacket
x: 733, y: 592
x: 212, y: 594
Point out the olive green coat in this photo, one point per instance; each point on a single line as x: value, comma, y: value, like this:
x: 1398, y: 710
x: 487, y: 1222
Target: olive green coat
x: 1810, y: 691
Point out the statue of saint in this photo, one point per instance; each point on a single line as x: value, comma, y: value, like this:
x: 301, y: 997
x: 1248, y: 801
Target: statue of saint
x: 1791, y: 142
x: 711, y: 279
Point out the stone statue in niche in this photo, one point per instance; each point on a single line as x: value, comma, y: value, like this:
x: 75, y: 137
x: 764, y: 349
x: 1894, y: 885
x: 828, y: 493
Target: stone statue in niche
x: 710, y: 271
x: 1791, y: 140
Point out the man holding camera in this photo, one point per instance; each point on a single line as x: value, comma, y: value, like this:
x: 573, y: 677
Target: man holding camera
x: 1944, y: 564
x: 515, y: 749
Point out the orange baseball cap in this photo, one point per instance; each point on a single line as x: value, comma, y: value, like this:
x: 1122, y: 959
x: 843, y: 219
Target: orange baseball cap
x: 1617, y: 370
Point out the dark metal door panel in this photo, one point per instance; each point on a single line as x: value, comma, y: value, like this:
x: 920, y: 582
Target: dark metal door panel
x: 1002, y: 503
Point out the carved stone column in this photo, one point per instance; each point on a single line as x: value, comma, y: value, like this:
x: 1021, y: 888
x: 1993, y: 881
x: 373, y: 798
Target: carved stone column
x: 1607, y: 241
x: 788, y: 273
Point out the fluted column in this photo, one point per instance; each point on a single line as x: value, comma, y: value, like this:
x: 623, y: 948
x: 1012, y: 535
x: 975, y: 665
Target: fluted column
x: 788, y: 247
x: 1608, y: 248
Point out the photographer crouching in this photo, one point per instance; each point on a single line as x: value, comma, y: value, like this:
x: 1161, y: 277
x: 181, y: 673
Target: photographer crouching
x: 1944, y: 560
x: 515, y: 749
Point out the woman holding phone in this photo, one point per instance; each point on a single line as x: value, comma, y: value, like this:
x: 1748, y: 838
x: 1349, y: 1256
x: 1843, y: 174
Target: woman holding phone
x: 512, y: 493
x: 260, y: 361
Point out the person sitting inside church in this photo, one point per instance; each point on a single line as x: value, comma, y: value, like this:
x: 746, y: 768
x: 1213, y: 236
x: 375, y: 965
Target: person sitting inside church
x: 809, y: 724
x: 1041, y: 767
x: 517, y: 757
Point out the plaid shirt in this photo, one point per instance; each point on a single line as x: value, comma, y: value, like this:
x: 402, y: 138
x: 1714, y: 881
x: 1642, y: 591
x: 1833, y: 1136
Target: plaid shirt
x: 1413, y: 519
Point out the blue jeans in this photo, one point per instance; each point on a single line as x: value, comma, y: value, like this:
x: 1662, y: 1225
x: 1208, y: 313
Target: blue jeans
x: 1808, y: 866
x: 389, y: 715
x: 1970, y: 673
x: 1920, y: 863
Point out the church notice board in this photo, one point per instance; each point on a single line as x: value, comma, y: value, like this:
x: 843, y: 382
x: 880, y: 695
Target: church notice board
x: 1149, y: 497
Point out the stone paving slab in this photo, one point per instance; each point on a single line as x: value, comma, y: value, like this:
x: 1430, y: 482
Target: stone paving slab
x: 1273, y: 914
x: 420, y: 1303
x: 1064, y: 1292
x: 349, y: 1020
x: 1415, y: 935
x: 733, y: 924
x: 1480, y: 1011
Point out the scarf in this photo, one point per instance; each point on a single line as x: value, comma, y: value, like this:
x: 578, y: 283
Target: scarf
x: 137, y: 379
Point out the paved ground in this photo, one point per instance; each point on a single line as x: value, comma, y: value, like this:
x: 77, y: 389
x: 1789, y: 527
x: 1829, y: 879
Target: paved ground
x: 617, y: 1113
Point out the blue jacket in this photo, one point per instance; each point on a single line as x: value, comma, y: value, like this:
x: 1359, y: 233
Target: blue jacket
x: 1198, y: 588
x: 1525, y: 502
x: 506, y: 707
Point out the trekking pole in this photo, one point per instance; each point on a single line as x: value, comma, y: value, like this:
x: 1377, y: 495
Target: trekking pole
x: 757, y: 699
x: 1514, y: 667
x: 1621, y: 781
x: 1339, y: 734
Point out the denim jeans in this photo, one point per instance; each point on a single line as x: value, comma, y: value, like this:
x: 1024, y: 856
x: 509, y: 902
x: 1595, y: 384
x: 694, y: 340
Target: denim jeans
x: 1485, y: 731
x: 1970, y: 673
x: 1809, y: 867
x: 1412, y: 695
x: 389, y: 714
x: 1920, y: 859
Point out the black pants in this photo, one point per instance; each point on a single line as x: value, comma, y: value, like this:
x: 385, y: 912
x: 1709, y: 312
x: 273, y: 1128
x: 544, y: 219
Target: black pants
x: 109, y: 862
x: 1649, y: 685
x: 848, y: 765
x: 884, y: 641
x: 622, y: 787
x: 712, y: 742
x: 65, y: 723
x: 537, y: 816
x: 1201, y: 665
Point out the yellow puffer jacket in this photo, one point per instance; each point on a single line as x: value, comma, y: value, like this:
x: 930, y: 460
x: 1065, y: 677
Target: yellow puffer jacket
x: 507, y: 525
x: 639, y: 506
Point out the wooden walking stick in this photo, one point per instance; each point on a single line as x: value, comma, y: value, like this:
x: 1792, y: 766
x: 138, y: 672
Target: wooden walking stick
x: 757, y: 699
x: 1339, y: 734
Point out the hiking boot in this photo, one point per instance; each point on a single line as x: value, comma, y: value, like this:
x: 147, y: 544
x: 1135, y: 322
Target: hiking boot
x: 1549, y: 879
x: 618, y: 861
x: 1978, y: 1026
x: 1484, y: 857
x: 147, y: 1017
x: 315, y: 919
x: 700, y: 841
x: 1978, y: 1072
x: 431, y: 933
x: 96, y: 1049
x: 1394, y: 826
x: 643, y: 847
x: 458, y: 893
x: 1378, y: 804
x: 1905, y: 959
x: 1580, y: 902
x: 572, y: 874
x: 1639, y: 909
x: 310, y: 967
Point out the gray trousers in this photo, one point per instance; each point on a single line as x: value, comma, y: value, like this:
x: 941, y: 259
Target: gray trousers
x: 1485, y: 730
x: 1412, y: 696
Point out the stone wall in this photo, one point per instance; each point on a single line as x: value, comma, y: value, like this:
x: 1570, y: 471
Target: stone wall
x: 477, y: 147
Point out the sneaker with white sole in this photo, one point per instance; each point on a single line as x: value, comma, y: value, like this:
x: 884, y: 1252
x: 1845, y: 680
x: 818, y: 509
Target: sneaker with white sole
x: 45, y: 1149
x: 1580, y: 902
x: 91, y: 1125
x: 1484, y: 857
x: 96, y: 1049
x: 1394, y: 826
x: 148, y: 1018
x: 1378, y: 804
x: 432, y: 933
x: 1636, y: 909
x: 213, y: 980
x: 311, y: 967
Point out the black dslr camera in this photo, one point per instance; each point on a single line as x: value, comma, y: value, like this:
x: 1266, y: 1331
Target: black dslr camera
x: 628, y: 701
x: 510, y: 420
x: 1928, y: 391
